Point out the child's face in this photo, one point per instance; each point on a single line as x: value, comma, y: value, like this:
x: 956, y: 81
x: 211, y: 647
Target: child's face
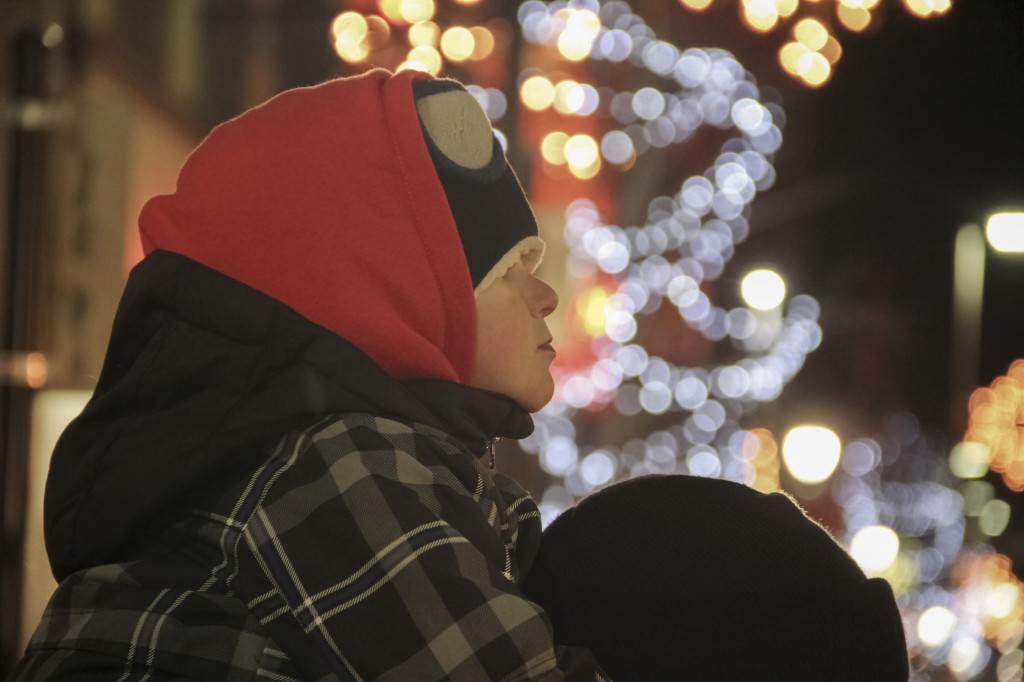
x: 513, y: 351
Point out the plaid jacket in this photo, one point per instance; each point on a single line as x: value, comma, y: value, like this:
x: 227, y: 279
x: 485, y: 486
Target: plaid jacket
x: 364, y: 548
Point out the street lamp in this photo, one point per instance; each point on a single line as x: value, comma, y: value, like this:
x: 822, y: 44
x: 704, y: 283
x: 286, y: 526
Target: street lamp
x: 1005, y: 233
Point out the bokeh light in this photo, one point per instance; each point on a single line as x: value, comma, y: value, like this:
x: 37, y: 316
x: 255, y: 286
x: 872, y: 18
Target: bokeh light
x: 875, y: 548
x: 423, y: 58
x: 927, y: 8
x: 763, y: 289
x: 569, y: 97
x: 483, y: 42
x: 537, y: 93
x: 853, y: 18
x: 413, y: 11
x: 995, y: 416
x: 935, y: 625
x: 424, y: 33
x: 811, y: 453
x: 761, y: 15
x: 458, y: 43
x: 969, y: 459
x: 552, y: 148
x: 1005, y: 232
x: 581, y: 29
x: 811, y: 33
x: 350, y: 31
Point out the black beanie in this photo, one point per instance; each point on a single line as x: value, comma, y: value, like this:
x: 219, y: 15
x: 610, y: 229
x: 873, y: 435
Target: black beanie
x: 496, y: 225
x: 697, y: 579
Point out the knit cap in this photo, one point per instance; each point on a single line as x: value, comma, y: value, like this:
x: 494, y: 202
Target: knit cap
x: 496, y: 225
x: 697, y: 579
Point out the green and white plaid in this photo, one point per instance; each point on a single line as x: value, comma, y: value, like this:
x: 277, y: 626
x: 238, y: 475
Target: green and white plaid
x: 364, y: 548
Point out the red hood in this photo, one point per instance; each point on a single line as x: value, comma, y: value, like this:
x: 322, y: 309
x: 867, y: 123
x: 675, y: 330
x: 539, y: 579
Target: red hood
x: 326, y: 199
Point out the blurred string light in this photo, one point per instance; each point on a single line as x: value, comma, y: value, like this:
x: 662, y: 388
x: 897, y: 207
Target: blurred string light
x: 356, y: 35
x: 902, y: 516
x: 686, y: 240
x: 814, y: 49
x: 903, y: 519
x: 995, y: 432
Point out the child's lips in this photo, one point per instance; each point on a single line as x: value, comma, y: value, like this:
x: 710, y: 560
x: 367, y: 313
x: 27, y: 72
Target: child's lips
x: 546, y: 346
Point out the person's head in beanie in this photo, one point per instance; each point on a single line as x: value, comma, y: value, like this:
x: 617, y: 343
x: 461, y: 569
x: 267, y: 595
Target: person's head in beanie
x: 382, y: 208
x: 705, y: 580
x: 501, y: 246
x: 287, y: 468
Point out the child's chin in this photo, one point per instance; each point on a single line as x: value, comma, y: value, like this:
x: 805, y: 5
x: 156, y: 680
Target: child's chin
x: 538, y: 401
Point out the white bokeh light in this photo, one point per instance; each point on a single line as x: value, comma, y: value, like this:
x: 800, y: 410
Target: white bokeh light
x: 763, y: 289
x: 875, y: 548
x: 811, y: 453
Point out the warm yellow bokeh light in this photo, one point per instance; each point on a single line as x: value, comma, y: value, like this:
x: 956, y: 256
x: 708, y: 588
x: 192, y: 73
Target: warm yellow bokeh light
x: 875, y: 548
x: 414, y: 11
x: 392, y: 10
x: 379, y: 32
x: 814, y: 68
x: 349, y: 22
x: 424, y: 33
x: 695, y: 4
x: 811, y: 33
x: 858, y: 4
x: 935, y: 625
x: 999, y: 594
x: 552, y: 147
x: 581, y: 152
x: 350, y: 31
x: 996, y: 413
x: 581, y: 29
x: 457, y: 43
x: 811, y: 453
x: 762, y: 15
x: 832, y: 50
x: 853, y: 18
x: 1005, y: 232
x: 586, y: 172
x: 1002, y: 600
x: 537, y: 93
x: 762, y: 454
x: 925, y: 8
x: 569, y: 97
x: 483, y: 42
x: 350, y: 52
x: 785, y: 8
x: 790, y: 55
x: 591, y: 309
x: 763, y: 289
x: 423, y: 58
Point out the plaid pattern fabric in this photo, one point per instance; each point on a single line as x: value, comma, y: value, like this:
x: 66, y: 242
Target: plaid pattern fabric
x: 362, y: 549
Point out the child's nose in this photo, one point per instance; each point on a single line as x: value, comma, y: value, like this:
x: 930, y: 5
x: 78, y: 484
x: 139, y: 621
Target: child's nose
x: 546, y: 299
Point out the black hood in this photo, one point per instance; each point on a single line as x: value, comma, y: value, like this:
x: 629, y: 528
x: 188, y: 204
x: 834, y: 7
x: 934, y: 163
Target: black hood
x: 202, y: 378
